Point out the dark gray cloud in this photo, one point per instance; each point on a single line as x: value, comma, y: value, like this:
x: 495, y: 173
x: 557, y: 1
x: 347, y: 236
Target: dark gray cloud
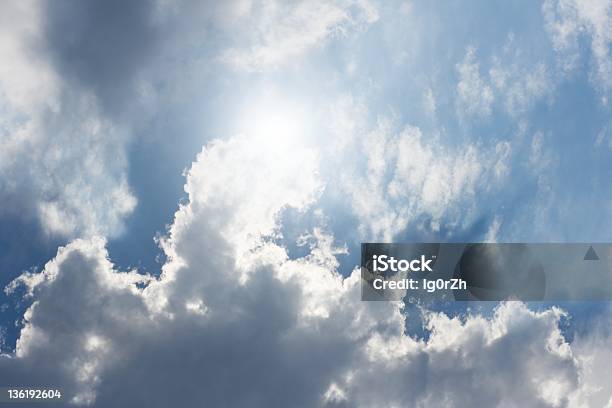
x: 103, y: 46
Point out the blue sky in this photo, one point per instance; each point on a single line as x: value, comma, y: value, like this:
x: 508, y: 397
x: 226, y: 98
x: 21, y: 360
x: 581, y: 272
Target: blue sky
x: 280, y: 135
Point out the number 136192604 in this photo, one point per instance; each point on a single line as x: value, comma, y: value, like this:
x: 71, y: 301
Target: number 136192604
x: 10, y: 394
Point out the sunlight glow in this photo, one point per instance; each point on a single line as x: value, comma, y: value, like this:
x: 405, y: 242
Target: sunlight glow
x: 275, y: 123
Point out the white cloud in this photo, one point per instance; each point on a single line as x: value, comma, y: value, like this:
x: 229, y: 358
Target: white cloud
x: 429, y: 102
x: 279, y: 31
x: 475, y: 96
x: 603, y: 138
x: 261, y: 329
x: 25, y: 78
x: 493, y: 231
x: 512, y: 80
x: 594, y: 357
x: 405, y: 176
x: 567, y: 21
x: 521, y: 86
x: 469, y: 363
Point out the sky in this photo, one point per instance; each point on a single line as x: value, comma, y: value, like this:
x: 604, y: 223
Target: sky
x: 185, y: 186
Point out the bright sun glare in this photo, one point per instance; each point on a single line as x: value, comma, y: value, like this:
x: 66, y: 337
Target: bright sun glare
x: 275, y: 123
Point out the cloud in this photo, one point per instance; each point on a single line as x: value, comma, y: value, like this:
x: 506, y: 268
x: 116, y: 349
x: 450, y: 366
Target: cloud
x: 455, y: 366
x: 519, y: 80
x: 134, y: 57
x: 475, y: 96
x: 407, y: 178
x: 75, y: 86
x: 279, y: 32
x: 493, y: 231
x: 594, y: 356
x: 59, y: 155
x: 602, y: 136
x: 234, y: 321
x: 514, y: 81
x: 429, y: 102
x: 568, y: 22
x: 101, y: 71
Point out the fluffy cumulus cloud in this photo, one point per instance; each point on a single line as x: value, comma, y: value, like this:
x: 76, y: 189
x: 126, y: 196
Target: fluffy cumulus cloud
x: 234, y: 321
